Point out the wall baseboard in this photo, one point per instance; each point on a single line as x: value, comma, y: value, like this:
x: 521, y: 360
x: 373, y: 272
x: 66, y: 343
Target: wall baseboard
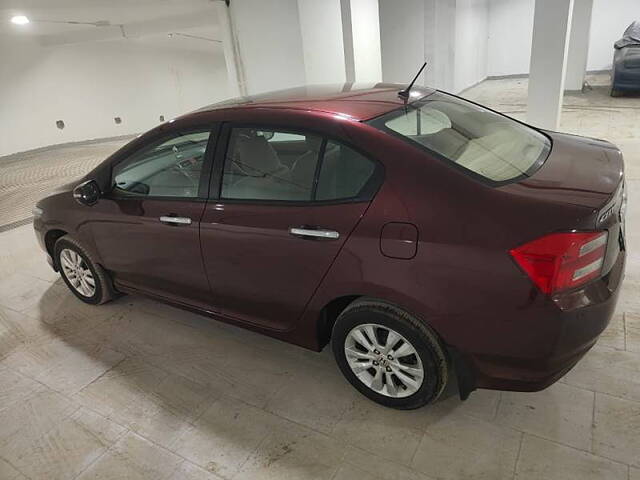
x: 526, y: 75
x: 461, y: 92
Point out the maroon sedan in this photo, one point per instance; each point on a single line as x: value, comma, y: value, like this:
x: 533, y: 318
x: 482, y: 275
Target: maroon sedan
x: 424, y: 236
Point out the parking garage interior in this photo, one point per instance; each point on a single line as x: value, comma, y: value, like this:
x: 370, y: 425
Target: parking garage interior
x: 140, y: 389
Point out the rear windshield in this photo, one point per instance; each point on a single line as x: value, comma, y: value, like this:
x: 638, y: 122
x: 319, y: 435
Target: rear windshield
x: 493, y: 146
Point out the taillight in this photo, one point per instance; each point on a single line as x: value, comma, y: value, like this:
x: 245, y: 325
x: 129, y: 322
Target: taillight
x: 560, y: 261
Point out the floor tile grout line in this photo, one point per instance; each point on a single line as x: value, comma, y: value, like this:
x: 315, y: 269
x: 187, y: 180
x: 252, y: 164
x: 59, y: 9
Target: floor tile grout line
x: 596, y: 455
x: 66, y: 397
x: 497, y: 407
x: 14, y: 467
x: 632, y: 400
x: 593, y: 424
x: 251, y: 454
x: 415, y: 452
x: 369, y: 452
x: 106, y: 450
x: 515, y: 464
x: 624, y: 328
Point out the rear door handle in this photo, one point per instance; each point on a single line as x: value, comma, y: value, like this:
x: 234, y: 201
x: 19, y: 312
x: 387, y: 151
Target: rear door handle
x: 171, y: 220
x: 314, y: 233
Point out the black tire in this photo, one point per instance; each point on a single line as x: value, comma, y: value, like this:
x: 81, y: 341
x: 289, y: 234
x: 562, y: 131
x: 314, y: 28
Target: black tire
x: 104, y: 290
x: 421, y: 337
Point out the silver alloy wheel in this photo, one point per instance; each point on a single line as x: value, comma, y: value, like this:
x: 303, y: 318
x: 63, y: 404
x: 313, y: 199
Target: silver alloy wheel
x: 77, y: 272
x: 384, y: 360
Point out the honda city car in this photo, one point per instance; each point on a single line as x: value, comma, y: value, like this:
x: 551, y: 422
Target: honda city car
x: 424, y: 237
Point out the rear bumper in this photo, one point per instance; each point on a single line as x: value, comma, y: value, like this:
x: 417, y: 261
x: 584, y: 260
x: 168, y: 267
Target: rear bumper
x: 569, y: 334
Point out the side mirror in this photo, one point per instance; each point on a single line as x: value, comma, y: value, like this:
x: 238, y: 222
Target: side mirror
x: 87, y: 193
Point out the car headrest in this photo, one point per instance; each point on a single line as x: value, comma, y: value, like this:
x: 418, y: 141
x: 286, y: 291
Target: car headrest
x: 256, y: 156
x: 313, y: 143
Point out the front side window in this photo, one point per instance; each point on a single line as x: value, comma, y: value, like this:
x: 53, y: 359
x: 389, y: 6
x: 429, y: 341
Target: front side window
x: 294, y: 167
x: 490, y: 145
x: 171, y: 168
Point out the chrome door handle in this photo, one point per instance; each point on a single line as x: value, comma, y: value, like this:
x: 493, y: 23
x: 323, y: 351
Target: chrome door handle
x: 310, y: 232
x: 169, y: 220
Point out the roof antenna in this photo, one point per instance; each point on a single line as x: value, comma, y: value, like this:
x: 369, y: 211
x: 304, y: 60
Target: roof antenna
x: 405, y: 93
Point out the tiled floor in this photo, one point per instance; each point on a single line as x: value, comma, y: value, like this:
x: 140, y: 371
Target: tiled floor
x: 27, y: 177
x: 135, y: 389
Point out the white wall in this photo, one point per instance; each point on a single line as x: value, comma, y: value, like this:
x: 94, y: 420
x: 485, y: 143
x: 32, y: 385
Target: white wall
x: 451, y: 35
x: 403, y: 49
x: 510, y: 33
x: 270, y: 42
x: 88, y: 84
x: 609, y: 20
x: 511, y: 28
x: 323, y: 48
x: 471, y: 47
x: 365, y: 25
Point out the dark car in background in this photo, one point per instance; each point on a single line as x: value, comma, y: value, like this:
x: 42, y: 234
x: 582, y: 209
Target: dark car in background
x: 625, y: 74
x: 422, y: 235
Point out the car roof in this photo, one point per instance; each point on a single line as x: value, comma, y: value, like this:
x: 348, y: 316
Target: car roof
x: 356, y: 101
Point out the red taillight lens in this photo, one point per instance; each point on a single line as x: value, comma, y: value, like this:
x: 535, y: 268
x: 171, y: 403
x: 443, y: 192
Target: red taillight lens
x: 562, y: 260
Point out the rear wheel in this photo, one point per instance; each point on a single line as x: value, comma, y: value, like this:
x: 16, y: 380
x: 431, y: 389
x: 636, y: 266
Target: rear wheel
x: 86, y: 279
x: 388, y: 355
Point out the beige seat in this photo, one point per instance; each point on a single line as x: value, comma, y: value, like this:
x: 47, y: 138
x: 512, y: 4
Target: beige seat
x: 261, y: 174
x: 500, y: 155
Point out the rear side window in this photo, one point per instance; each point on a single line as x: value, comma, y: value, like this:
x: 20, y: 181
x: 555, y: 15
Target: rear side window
x: 294, y: 167
x: 344, y: 173
x: 492, y: 146
x: 260, y: 165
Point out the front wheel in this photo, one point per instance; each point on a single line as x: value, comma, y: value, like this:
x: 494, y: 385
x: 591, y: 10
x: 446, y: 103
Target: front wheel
x: 388, y: 355
x: 86, y: 279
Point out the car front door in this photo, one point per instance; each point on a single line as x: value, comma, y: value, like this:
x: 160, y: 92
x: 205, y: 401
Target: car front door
x: 146, y: 229
x: 284, y: 203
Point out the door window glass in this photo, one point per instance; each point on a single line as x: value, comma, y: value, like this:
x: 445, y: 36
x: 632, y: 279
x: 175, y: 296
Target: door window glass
x: 171, y: 168
x: 344, y: 173
x: 270, y: 165
x: 282, y: 166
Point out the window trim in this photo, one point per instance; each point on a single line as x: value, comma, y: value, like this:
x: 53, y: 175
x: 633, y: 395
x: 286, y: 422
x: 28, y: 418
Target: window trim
x: 208, y: 158
x: 367, y: 192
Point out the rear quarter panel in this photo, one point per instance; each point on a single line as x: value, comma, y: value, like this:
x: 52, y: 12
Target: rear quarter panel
x: 462, y: 281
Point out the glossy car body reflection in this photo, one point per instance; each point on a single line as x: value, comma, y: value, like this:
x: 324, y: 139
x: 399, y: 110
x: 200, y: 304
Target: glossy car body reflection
x: 431, y: 239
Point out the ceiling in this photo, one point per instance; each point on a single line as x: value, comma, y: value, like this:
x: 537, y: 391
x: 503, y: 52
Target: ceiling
x: 139, y: 18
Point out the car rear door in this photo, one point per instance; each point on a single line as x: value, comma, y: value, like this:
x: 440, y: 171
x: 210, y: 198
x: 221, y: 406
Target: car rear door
x: 283, y: 204
x: 146, y: 229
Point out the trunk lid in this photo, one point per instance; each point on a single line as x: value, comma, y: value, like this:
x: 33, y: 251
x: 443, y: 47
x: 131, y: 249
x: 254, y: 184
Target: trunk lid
x: 588, y: 173
x: 578, y: 171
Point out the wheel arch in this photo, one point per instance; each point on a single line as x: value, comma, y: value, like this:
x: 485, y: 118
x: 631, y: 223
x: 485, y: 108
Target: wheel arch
x: 328, y: 316
x: 461, y: 366
x: 50, y: 239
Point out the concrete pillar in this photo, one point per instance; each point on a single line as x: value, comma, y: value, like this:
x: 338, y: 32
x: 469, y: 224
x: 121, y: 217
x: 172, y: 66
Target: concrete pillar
x: 347, y: 41
x: 551, y: 29
x: 578, y: 45
x: 440, y: 45
x: 365, y: 26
